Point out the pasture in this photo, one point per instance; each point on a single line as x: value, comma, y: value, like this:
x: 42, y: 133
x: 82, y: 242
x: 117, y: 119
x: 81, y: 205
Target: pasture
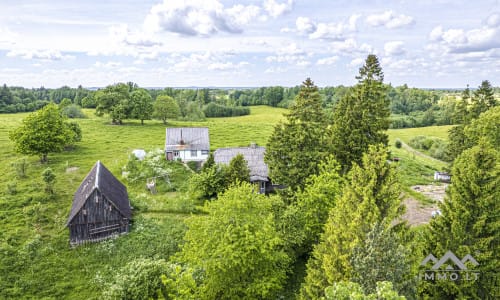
x: 36, y: 260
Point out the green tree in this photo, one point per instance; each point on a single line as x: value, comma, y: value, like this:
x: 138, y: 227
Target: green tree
x: 361, y: 117
x: 353, y: 291
x: 209, y: 182
x: 371, y: 196
x: 485, y: 129
x: 237, y: 247
x: 49, y: 178
x: 165, y: 107
x: 209, y: 163
x: 42, y: 132
x: 382, y: 257
x: 142, y: 105
x: 469, y: 224
x: 64, y: 103
x: 482, y: 100
x: 238, y: 170
x: 296, y: 146
x: 317, y: 199
x: 115, y: 101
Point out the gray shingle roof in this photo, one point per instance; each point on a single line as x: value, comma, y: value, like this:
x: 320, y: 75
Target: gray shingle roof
x: 102, y: 179
x: 187, y: 138
x: 254, y: 157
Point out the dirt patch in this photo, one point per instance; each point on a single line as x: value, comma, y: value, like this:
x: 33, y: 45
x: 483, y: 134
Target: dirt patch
x: 417, y: 213
x: 435, y: 192
x: 71, y: 169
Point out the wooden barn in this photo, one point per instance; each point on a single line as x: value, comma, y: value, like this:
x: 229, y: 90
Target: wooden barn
x: 101, y: 208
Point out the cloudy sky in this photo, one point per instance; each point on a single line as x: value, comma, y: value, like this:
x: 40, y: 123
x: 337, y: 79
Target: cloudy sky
x: 424, y: 43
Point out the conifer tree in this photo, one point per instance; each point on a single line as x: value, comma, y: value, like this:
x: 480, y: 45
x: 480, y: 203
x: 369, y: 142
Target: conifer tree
x: 469, y: 224
x: 238, y: 170
x: 371, y: 196
x: 482, y: 100
x: 297, y: 145
x: 362, y: 116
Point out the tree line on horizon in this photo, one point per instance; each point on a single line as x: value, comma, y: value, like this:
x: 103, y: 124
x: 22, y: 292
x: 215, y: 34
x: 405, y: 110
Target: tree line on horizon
x: 410, y: 107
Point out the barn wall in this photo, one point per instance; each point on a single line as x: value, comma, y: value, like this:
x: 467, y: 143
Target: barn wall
x: 98, y: 219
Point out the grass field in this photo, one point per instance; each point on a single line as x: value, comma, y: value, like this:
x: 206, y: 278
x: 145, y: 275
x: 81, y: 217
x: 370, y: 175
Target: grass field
x: 35, y: 258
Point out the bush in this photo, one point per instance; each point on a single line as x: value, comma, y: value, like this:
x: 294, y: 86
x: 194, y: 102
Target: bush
x: 139, y: 279
x: 213, y: 110
x: 21, y: 166
x: 73, y: 111
x: 398, y: 143
x: 193, y: 165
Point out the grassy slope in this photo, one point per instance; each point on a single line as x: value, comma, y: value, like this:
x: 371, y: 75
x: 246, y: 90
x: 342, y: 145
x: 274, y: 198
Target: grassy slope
x: 35, y: 260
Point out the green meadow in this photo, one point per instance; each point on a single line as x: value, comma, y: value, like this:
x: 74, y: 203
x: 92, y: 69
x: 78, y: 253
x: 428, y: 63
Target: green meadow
x: 36, y: 261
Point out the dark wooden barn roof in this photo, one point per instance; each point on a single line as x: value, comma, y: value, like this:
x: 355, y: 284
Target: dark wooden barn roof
x: 187, y: 138
x: 102, y: 179
x: 254, y: 155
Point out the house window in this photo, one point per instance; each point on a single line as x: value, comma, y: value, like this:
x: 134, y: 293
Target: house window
x: 194, y: 153
x: 204, y: 152
x: 176, y: 153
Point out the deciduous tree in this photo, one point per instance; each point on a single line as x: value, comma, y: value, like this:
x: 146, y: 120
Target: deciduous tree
x: 142, y: 105
x: 238, y: 170
x: 165, y: 107
x: 43, y: 132
x: 237, y: 247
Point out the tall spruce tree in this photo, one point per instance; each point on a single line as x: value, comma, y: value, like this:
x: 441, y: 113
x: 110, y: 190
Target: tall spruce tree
x: 482, y: 100
x: 362, y: 116
x: 297, y: 146
x: 372, y: 196
x: 469, y: 224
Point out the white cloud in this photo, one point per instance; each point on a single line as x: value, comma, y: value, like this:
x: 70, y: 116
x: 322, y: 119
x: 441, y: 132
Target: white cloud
x: 208, y: 60
x: 327, y: 60
x: 7, y: 36
x: 108, y: 65
x: 357, y: 62
x: 305, y: 25
x: 198, y: 17
x: 40, y: 54
x: 276, y: 9
x: 389, y: 19
x: 291, y: 54
x: 351, y: 46
x: 394, y: 48
x: 333, y: 31
x: 123, y: 35
x: 460, y: 40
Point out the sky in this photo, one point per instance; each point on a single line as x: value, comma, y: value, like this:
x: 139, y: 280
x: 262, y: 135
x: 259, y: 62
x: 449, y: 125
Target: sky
x: 205, y: 43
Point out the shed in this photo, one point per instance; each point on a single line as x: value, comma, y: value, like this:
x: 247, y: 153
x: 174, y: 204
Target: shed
x: 101, y: 208
x: 442, y: 176
x: 187, y: 144
x: 254, y: 155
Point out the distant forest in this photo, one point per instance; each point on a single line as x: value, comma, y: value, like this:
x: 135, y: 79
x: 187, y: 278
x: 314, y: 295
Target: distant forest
x: 410, y: 107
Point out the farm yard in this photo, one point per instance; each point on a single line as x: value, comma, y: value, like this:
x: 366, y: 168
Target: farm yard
x: 36, y: 259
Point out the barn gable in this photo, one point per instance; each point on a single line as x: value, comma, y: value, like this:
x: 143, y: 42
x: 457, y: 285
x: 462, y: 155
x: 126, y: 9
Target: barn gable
x: 100, y: 207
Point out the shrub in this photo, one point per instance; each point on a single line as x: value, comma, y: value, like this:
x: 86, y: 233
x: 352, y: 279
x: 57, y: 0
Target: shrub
x: 213, y: 110
x: 20, y: 166
x: 398, y: 143
x: 193, y: 165
x: 12, y: 188
x: 73, y: 111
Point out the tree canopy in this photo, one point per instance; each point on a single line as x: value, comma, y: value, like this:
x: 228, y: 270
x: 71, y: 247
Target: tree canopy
x: 297, y: 146
x: 43, y: 132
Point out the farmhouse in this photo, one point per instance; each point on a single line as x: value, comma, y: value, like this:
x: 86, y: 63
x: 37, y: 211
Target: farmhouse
x: 101, y: 208
x: 254, y: 155
x: 187, y: 144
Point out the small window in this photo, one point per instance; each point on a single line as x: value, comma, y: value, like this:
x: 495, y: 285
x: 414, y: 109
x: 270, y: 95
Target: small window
x: 194, y: 153
x: 204, y: 152
x: 176, y: 153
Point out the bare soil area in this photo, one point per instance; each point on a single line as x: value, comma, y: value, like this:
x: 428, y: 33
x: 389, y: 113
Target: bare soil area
x: 418, y: 213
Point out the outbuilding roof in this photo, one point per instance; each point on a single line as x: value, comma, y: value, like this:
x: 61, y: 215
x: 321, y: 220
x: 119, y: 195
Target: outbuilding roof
x: 254, y: 155
x: 102, y: 179
x: 187, y: 138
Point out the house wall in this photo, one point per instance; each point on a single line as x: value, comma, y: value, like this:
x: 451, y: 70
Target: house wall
x: 98, y: 219
x: 185, y: 155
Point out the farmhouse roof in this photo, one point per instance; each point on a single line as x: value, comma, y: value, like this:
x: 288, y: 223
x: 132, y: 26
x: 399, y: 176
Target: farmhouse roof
x: 187, y: 138
x: 102, y: 179
x: 254, y: 155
